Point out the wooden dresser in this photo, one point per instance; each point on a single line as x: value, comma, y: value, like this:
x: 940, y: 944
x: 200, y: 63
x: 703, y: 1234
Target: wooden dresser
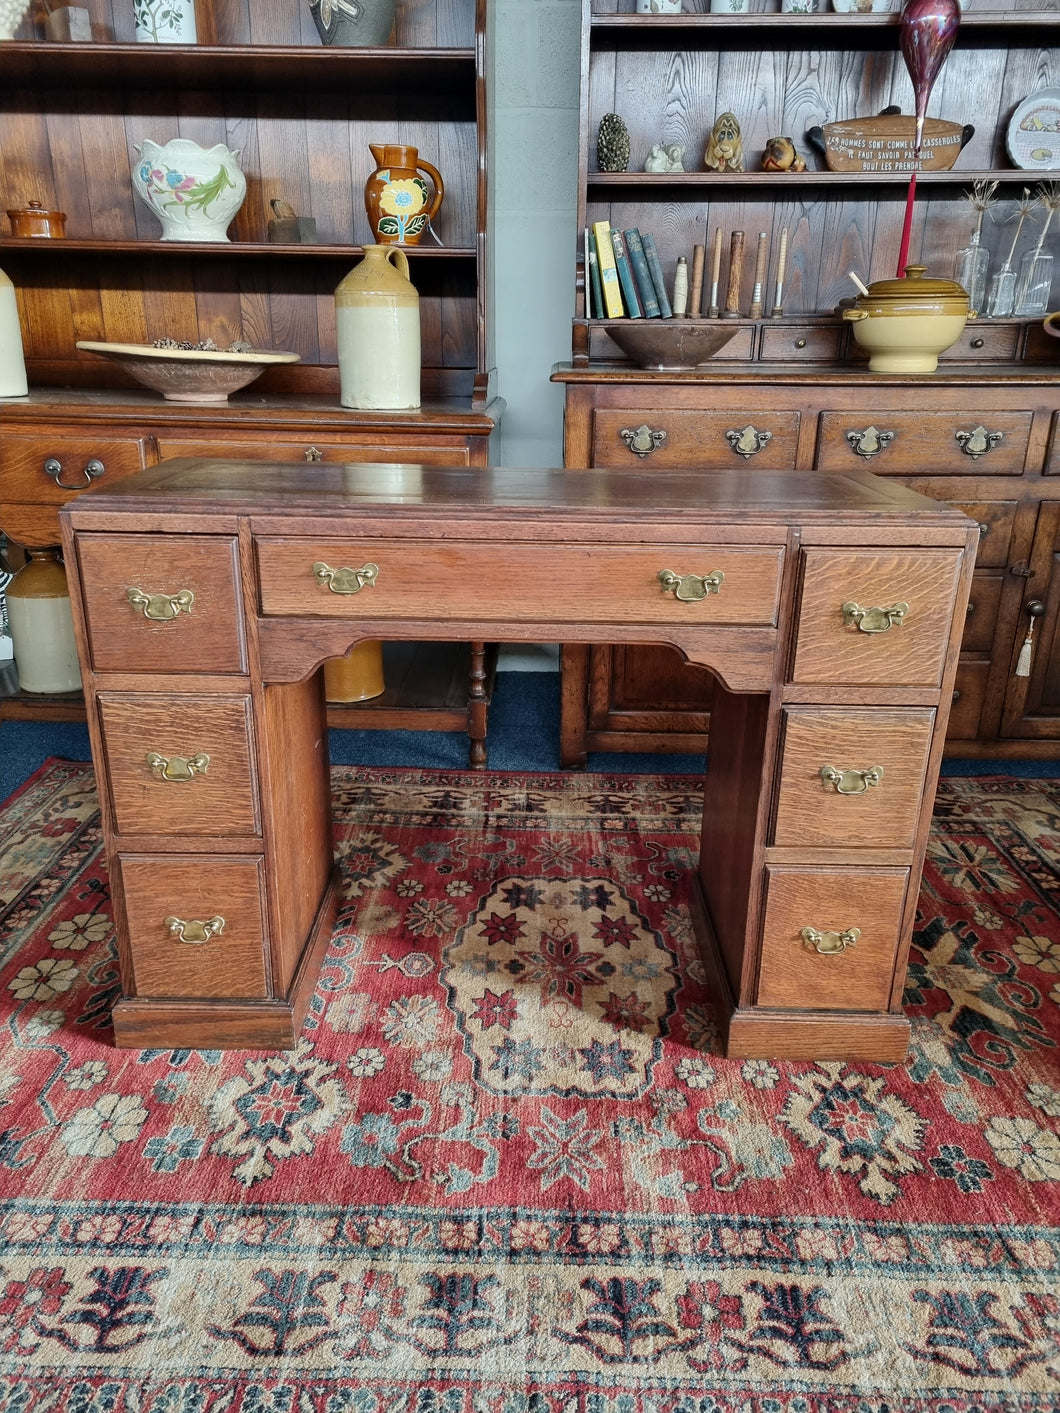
x: 986, y: 440
x: 829, y: 607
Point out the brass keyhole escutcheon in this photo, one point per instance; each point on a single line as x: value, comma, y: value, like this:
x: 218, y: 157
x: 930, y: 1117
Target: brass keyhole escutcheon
x: 851, y: 781
x: 160, y: 608
x: 829, y: 941
x: 642, y: 440
x: 690, y: 588
x: 346, y: 581
x: 178, y: 768
x: 874, y: 620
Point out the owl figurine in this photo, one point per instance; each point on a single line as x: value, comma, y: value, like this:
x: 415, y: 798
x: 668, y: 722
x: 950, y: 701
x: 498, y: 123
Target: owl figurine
x: 724, y: 151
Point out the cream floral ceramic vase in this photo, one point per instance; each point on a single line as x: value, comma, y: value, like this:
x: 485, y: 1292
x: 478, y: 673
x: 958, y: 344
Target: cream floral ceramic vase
x: 194, y: 191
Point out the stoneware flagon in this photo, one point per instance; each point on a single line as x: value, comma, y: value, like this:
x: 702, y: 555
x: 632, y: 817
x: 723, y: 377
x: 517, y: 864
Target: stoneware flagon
x: 377, y: 326
x: 194, y: 191
x: 398, y: 201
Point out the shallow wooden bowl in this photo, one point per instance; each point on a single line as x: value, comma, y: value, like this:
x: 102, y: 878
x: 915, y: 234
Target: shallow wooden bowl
x: 188, y: 375
x: 669, y: 344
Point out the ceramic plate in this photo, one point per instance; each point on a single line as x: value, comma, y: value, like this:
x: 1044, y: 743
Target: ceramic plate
x: 1033, y: 137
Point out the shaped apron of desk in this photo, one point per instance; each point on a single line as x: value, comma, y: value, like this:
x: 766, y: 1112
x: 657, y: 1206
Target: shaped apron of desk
x: 207, y: 594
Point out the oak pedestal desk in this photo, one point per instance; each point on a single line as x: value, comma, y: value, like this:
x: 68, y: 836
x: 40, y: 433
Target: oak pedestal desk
x: 207, y: 594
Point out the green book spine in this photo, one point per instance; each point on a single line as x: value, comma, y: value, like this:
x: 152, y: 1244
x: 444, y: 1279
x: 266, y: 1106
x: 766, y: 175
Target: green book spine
x: 594, y: 294
x: 625, y: 277
x: 651, y: 255
x: 641, y: 274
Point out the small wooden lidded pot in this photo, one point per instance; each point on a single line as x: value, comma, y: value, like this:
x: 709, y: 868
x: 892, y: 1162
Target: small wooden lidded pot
x: 33, y: 220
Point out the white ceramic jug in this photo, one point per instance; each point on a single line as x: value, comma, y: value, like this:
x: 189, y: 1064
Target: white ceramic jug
x: 194, y: 191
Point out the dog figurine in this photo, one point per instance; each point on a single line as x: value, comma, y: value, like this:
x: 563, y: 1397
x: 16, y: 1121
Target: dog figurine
x: 780, y: 156
x: 724, y: 151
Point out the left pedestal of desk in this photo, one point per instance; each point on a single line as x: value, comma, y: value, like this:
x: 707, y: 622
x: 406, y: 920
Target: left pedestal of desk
x: 214, y: 792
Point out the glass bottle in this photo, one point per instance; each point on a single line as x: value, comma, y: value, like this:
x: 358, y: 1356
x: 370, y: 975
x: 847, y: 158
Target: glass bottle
x: 1034, y: 283
x: 970, y: 272
x: 1002, y: 294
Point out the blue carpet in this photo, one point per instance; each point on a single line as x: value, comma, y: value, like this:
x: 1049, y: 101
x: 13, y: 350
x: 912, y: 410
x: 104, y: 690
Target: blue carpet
x: 523, y: 735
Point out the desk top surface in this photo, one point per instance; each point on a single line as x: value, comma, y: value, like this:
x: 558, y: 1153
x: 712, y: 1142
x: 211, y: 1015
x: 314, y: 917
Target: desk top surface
x: 261, y: 489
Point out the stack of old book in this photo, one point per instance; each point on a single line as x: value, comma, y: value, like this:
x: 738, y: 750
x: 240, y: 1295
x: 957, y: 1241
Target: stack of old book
x: 624, y: 275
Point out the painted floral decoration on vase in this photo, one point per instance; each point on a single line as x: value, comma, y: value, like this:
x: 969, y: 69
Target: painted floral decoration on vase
x: 194, y: 191
x: 164, y: 21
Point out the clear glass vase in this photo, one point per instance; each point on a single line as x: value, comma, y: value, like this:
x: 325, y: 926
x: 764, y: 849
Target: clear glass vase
x: 970, y: 271
x: 1034, y: 283
x: 1001, y: 297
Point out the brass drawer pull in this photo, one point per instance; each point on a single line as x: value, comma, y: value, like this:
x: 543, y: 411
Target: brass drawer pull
x: 193, y: 930
x: 178, y: 768
x: 747, y: 441
x: 313, y: 453
x: 690, y: 588
x: 642, y: 441
x: 346, y: 581
x: 870, y: 441
x: 829, y: 942
x: 851, y: 781
x: 978, y: 441
x: 874, y: 620
x: 160, y: 608
x: 53, y: 467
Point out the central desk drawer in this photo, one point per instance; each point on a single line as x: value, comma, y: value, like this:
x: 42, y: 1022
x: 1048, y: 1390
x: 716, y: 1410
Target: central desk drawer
x: 875, y: 617
x: 505, y: 583
x: 180, y: 767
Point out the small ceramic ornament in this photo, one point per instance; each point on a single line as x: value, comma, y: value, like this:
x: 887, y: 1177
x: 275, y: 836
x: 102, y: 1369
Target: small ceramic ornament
x: 356, y: 22
x: 658, y: 7
x: 164, y: 21
x: 724, y: 152
x: 665, y: 159
x: 780, y: 156
x: 612, y: 144
x: 398, y: 201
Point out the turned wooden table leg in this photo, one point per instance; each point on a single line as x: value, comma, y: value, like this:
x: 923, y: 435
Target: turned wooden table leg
x: 477, y: 707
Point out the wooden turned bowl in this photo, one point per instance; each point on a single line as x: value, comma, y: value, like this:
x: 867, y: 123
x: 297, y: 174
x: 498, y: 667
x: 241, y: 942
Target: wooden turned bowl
x: 671, y: 344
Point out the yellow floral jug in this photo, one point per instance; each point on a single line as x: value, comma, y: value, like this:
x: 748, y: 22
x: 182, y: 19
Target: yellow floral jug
x: 399, y: 203
x: 377, y: 329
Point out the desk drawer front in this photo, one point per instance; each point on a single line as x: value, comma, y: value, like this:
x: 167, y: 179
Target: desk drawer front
x: 910, y: 652
x: 677, y: 438
x: 222, y: 898
x: 852, y: 778
x: 50, y: 469
x: 180, y: 767
x: 594, y: 584
x: 832, y: 968
x: 976, y: 443
x: 203, y: 634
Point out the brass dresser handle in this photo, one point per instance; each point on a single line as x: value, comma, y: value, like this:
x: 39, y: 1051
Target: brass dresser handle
x: 851, y: 781
x: 193, y: 930
x: 346, y: 581
x: 874, y: 620
x: 828, y: 941
x: 978, y: 441
x: 690, y: 588
x: 747, y: 441
x: 178, y: 768
x: 642, y: 441
x: 870, y: 441
x: 160, y: 608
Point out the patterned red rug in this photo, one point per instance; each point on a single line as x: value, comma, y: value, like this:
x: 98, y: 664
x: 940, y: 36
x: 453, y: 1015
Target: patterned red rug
x: 505, y: 1172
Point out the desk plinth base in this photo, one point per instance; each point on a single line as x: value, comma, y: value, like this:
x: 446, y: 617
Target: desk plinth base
x: 757, y: 1033
x: 142, y: 1023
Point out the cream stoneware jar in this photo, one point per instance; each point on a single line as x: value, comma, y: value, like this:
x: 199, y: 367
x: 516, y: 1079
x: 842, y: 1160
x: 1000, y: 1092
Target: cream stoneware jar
x: 377, y: 326
x: 906, y: 323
